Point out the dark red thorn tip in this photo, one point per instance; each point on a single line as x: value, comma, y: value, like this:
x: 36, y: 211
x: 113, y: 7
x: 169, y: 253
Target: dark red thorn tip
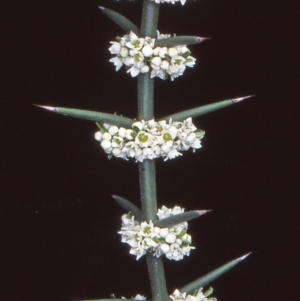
x: 235, y: 100
x: 200, y: 39
x: 243, y: 257
x: 52, y: 109
x: 201, y: 212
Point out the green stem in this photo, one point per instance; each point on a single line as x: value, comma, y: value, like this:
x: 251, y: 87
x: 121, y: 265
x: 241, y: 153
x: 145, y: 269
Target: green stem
x: 148, y: 189
x: 145, y: 97
x: 157, y: 278
x: 149, y: 18
x: 147, y: 167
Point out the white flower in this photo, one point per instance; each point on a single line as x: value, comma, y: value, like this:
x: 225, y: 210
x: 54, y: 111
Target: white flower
x: 139, y: 297
x: 170, y: 1
x: 190, y: 61
x: 144, y: 237
x: 139, y: 55
x: 115, y: 48
x: 117, y: 62
x: 162, y: 36
x: 134, y: 71
x: 150, y: 139
x: 158, y: 73
x: 134, y: 42
x: 199, y: 296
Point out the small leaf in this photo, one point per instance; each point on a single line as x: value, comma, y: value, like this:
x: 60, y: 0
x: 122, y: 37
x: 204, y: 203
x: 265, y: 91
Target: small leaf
x: 202, y: 110
x: 129, y: 207
x: 178, y: 218
x: 179, y: 40
x: 92, y: 115
x: 208, y: 278
x: 122, y: 21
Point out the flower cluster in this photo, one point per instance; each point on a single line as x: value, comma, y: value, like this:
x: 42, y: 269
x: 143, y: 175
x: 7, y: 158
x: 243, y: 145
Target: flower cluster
x: 137, y: 297
x: 149, y: 139
x: 170, y: 1
x: 144, y: 237
x: 199, y: 296
x: 140, y: 55
x: 177, y: 296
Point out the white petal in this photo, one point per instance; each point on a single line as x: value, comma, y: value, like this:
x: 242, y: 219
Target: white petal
x: 134, y: 71
x: 117, y: 62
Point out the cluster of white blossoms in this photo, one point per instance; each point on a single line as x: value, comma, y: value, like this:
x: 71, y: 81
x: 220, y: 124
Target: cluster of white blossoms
x: 140, y: 55
x: 144, y: 237
x: 170, y: 1
x: 149, y: 139
x: 137, y: 297
x: 177, y: 296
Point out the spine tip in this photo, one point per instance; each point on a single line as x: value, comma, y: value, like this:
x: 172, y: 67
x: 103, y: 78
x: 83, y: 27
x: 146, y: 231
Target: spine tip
x: 52, y: 109
x: 201, y: 212
x: 200, y: 39
x: 243, y: 257
x: 235, y: 100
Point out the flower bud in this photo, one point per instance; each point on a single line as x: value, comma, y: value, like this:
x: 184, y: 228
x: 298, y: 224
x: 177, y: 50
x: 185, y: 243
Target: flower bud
x: 163, y: 232
x: 165, y: 248
x: 156, y: 51
x: 113, y: 130
x: 164, y: 65
x: 122, y: 132
x: 162, y: 52
x: 124, y: 52
x: 106, y: 136
x: 98, y: 136
x: 170, y: 238
x: 106, y: 144
x: 116, y: 152
x: 147, y: 51
x: 145, y: 69
x: 172, y: 51
x: 156, y: 61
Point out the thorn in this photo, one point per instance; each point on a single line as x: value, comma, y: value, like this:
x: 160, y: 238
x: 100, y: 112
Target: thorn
x: 201, y: 212
x: 199, y: 39
x: 235, y: 100
x: 101, y: 7
x: 52, y: 109
x: 243, y: 257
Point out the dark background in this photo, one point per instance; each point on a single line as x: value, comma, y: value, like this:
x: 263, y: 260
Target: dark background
x: 59, y: 224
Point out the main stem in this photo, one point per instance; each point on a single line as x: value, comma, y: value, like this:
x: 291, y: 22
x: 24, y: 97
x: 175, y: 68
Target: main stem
x: 147, y: 167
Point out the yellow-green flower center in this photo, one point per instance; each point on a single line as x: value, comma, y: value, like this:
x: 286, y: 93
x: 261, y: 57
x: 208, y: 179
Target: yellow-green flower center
x: 136, y: 43
x: 143, y: 137
x: 167, y: 137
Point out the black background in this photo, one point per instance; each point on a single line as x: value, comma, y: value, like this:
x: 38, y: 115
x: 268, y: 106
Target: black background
x: 59, y: 224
